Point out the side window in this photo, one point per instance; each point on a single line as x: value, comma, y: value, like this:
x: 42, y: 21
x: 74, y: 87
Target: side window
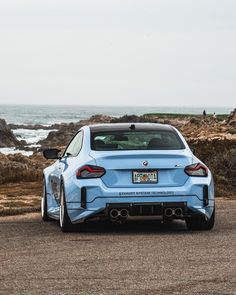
x: 75, y: 146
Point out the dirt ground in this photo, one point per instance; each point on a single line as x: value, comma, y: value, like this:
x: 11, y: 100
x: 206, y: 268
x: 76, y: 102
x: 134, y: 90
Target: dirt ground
x: 144, y: 258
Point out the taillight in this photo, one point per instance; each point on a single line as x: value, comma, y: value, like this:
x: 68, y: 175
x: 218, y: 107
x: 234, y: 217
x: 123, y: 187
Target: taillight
x: 90, y: 171
x: 196, y: 170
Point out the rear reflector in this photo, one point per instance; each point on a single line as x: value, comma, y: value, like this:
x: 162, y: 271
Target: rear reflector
x: 90, y: 171
x: 83, y: 197
x: 197, y: 169
x: 205, y: 196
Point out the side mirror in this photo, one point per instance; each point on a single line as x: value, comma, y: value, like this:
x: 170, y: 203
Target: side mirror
x: 51, y: 154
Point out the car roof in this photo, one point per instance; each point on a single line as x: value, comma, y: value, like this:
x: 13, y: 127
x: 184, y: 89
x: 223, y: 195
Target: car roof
x: 129, y: 126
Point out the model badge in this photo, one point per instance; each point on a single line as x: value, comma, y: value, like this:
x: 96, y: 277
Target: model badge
x: 145, y: 163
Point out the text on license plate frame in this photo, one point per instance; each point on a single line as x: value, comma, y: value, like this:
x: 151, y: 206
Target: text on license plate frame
x: 144, y: 172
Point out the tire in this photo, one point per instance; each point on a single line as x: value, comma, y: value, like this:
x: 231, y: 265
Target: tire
x: 44, y: 204
x: 200, y: 223
x: 65, y: 222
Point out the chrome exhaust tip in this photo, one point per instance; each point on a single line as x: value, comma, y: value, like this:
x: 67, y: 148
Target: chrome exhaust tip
x: 168, y: 212
x: 124, y: 213
x: 114, y: 213
x: 178, y: 212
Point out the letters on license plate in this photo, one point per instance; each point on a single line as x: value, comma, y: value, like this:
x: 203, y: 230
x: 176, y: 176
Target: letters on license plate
x: 149, y: 176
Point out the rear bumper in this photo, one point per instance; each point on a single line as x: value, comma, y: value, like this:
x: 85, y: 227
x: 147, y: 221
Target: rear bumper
x: 190, y: 205
x: 87, y: 199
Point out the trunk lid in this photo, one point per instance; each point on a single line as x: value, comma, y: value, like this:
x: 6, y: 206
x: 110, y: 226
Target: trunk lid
x: 120, y: 165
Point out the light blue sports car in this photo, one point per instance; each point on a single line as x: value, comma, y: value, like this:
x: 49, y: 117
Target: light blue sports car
x: 127, y: 171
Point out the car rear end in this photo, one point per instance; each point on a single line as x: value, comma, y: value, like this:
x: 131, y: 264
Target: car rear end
x: 140, y: 170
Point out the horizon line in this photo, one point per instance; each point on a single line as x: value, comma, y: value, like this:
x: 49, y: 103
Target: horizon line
x: 109, y: 105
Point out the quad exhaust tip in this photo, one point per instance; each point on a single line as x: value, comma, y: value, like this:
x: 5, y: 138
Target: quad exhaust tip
x: 114, y: 213
x: 123, y: 213
x: 171, y: 211
x: 168, y: 212
x: 178, y: 212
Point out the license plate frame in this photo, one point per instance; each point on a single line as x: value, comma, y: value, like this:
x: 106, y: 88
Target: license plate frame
x: 145, y: 172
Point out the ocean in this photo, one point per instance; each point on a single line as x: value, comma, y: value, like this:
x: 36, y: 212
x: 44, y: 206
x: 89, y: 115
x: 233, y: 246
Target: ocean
x: 48, y: 115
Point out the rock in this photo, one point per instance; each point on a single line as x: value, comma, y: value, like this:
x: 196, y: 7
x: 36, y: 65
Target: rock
x: 168, y: 122
x: 15, y: 168
x: 7, y: 138
x: 194, y: 120
x: 232, y: 131
x: 232, y: 123
x: 134, y: 119
x: 59, y: 138
x: 100, y: 119
x: 31, y: 127
x: 232, y: 116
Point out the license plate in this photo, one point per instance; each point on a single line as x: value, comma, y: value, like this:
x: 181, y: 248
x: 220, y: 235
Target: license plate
x: 148, y: 176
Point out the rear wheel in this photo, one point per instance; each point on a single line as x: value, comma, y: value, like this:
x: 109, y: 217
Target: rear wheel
x: 200, y: 223
x: 65, y: 223
x: 44, y: 204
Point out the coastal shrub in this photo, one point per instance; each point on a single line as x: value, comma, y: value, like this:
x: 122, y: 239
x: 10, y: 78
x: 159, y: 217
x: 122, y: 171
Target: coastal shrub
x: 220, y: 157
x: 225, y: 164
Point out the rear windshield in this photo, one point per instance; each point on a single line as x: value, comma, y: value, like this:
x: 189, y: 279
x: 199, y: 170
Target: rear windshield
x: 136, y: 140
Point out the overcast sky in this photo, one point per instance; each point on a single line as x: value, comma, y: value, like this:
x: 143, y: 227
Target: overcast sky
x: 124, y: 52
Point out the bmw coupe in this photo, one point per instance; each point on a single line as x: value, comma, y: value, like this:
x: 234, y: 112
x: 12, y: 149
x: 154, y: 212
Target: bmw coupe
x: 127, y: 171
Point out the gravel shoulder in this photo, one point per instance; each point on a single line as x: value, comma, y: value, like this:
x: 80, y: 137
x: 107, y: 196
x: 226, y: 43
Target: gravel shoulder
x: 136, y: 258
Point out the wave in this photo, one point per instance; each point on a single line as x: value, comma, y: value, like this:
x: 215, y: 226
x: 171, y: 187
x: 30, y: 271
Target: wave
x: 31, y: 136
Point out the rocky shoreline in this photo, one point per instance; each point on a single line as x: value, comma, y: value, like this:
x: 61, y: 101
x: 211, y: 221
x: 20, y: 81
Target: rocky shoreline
x: 214, y: 141
x: 7, y: 137
x: 194, y: 127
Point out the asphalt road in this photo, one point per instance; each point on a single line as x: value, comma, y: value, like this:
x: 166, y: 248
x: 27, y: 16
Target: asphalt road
x: 137, y: 258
